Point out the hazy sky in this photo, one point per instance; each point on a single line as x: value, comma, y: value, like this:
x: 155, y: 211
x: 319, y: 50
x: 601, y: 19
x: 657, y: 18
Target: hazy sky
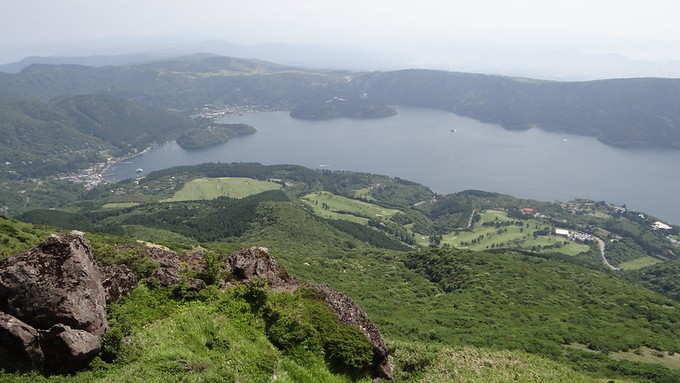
x: 641, y: 29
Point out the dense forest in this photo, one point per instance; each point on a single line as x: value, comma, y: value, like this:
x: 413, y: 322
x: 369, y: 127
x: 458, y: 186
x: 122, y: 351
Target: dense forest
x: 212, y: 134
x: 43, y: 138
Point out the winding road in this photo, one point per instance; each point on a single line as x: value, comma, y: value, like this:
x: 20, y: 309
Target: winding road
x: 602, y: 246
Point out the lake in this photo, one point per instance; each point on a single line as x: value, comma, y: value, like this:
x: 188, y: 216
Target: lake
x: 448, y: 153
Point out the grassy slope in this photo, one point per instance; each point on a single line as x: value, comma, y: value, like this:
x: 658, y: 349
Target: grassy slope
x: 437, y: 364
x: 219, y: 337
x: 639, y: 263
x: 119, y: 205
x: 339, y: 207
x: 16, y: 236
x: 509, y: 302
x: 512, y: 236
x: 211, y: 188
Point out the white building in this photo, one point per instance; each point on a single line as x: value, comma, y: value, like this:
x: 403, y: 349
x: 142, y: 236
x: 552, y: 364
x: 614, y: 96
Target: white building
x: 562, y: 232
x: 658, y: 225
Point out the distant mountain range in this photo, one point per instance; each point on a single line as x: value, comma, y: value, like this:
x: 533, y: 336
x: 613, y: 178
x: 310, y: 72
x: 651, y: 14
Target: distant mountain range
x: 642, y: 112
x: 95, y: 61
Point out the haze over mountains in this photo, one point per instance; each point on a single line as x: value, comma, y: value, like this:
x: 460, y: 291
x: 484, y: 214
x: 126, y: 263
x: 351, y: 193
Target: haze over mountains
x: 544, y: 62
x: 339, y: 191
x: 639, y: 112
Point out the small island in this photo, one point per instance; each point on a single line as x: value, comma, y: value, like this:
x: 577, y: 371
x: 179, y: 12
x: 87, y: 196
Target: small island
x: 213, y: 134
x: 339, y: 107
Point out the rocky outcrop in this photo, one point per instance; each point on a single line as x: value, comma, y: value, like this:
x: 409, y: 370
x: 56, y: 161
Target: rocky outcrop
x: 68, y: 349
x: 173, y: 267
x: 255, y: 262
x: 55, y: 283
x: 118, y: 281
x: 348, y: 312
x: 54, y: 302
x: 53, y: 299
x: 19, y: 342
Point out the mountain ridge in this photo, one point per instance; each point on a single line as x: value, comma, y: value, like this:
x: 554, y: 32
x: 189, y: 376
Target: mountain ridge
x: 636, y: 113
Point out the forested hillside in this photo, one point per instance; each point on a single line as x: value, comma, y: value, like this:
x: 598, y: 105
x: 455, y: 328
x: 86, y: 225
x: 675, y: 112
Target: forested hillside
x: 628, y: 112
x: 550, y: 313
x: 42, y: 138
x: 622, y: 112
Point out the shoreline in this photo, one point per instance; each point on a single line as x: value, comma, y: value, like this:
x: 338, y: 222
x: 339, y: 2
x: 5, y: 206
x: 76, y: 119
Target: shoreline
x: 96, y: 174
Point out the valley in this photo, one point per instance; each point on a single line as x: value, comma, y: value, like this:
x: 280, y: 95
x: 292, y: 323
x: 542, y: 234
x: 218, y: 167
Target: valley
x: 358, y: 205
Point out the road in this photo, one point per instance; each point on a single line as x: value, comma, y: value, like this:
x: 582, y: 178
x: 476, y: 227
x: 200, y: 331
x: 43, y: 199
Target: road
x: 469, y: 226
x: 602, y: 246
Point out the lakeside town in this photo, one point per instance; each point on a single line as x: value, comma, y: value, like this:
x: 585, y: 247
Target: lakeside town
x: 215, y: 112
x: 96, y: 174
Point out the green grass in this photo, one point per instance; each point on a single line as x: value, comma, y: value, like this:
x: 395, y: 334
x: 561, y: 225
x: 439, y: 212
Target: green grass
x: 648, y: 355
x: 333, y: 206
x: 219, y: 336
x: 364, y: 194
x: 119, y: 205
x: 149, y: 234
x: 211, y: 188
x: 501, y: 301
x: 639, y: 263
x: 16, y: 236
x: 437, y: 364
x: 651, y: 356
x: 521, y: 237
x: 506, y: 301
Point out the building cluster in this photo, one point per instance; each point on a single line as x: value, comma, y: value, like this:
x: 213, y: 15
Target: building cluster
x: 214, y: 112
x: 575, y: 235
x: 586, y: 206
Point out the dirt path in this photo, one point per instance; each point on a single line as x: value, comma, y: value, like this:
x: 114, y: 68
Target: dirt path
x: 469, y: 225
x: 601, y: 245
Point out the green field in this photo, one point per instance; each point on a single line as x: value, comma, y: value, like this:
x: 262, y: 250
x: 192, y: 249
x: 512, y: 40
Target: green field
x: 364, y: 193
x: 211, y: 188
x: 333, y: 206
x: 150, y: 234
x: 483, y: 237
x: 119, y: 205
x: 639, y: 263
x: 472, y: 365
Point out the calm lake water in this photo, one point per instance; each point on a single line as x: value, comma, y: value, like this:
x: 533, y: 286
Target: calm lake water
x: 419, y: 145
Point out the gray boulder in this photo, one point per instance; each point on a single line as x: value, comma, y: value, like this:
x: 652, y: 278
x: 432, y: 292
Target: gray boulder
x: 118, y: 281
x: 174, y: 267
x: 68, y: 349
x: 252, y: 262
x: 56, y: 282
x: 19, y: 343
x: 53, y: 304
